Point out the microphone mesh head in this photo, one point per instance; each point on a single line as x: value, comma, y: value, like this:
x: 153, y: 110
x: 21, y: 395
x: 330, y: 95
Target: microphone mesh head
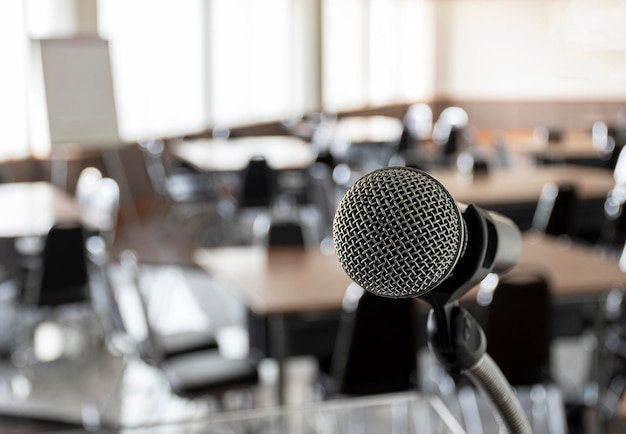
x: 398, y: 232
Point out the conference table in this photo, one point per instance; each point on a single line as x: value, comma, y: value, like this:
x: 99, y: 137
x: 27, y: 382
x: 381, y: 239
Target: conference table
x: 279, y: 284
x: 523, y: 184
x: 32, y: 208
x: 572, y: 146
x: 515, y: 191
x: 368, y: 129
x: 233, y: 154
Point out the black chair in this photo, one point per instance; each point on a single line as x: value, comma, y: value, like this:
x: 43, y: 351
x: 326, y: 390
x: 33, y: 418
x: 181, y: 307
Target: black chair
x: 287, y: 233
x: 11, y: 269
x: 376, y: 346
x: 555, y: 213
x: 189, y: 193
x: 323, y: 195
x: 157, y: 347
x: 258, y: 184
x: 57, y: 288
x: 191, y: 367
x: 192, y: 364
x: 518, y: 328
x: 254, y: 201
x: 62, y: 277
x: 209, y: 373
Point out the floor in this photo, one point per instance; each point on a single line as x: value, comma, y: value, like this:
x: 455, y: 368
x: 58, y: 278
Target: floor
x: 101, y: 388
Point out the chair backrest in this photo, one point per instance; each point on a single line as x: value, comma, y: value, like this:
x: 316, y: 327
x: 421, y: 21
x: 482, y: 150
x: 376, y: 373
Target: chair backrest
x: 258, y: 184
x: 148, y: 344
x: 10, y: 267
x: 87, y: 183
x: 619, y: 171
x: 555, y: 212
x: 64, y: 276
x: 323, y: 195
x: 518, y: 328
x: 613, y: 232
x: 288, y: 233
x: 153, y: 151
x: 418, y: 120
x: 376, y: 346
x: 450, y: 118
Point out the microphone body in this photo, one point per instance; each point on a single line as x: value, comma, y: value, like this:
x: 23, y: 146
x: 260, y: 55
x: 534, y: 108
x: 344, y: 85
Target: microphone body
x: 399, y: 233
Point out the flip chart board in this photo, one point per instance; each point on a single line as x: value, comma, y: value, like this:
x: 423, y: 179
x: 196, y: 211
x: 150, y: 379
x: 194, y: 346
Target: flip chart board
x: 78, y: 87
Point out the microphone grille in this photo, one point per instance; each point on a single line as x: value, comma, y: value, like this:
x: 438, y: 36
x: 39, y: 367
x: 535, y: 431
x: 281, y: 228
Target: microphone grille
x: 398, y: 232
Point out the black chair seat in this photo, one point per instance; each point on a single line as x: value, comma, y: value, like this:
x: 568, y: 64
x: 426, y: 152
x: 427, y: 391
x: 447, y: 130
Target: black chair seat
x: 175, y: 344
x: 208, y: 373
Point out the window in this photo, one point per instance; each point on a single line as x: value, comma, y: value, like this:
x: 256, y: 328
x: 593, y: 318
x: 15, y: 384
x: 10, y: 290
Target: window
x: 376, y: 52
x: 157, y: 57
x: 181, y: 67
x: 255, y: 62
x: 13, y: 79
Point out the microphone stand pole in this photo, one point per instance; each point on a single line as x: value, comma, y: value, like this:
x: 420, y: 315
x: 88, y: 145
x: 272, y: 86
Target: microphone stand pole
x: 459, y: 343
x: 456, y: 338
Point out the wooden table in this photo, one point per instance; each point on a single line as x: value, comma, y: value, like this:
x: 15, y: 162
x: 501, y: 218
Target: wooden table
x: 281, y: 282
x: 278, y: 280
x: 524, y: 184
x: 233, y: 155
x: 573, y: 146
x: 368, y: 129
x: 32, y: 208
x: 294, y: 280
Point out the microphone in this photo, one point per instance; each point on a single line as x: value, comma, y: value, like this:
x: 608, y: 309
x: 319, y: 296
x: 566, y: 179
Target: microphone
x: 399, y: 233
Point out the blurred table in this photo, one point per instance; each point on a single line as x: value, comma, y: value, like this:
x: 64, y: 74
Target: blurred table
x: 524, y: 184
x: 571, y: 147
x: 233, y: 155
x: 574, y: 271
x: 368, y: 129
x: 280, y: 280
x: 32, y: 208
x: 290, y: 280
x: 278, y: 283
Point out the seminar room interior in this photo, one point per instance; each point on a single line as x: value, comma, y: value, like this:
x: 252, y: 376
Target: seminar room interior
x: 170, y: 174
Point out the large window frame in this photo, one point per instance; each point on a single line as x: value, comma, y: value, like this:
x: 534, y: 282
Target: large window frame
x: 181, y: 68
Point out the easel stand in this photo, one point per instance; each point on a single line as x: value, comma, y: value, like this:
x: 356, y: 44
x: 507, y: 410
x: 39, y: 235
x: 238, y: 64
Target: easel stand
x: 456, y: 338
x: 114, y: 166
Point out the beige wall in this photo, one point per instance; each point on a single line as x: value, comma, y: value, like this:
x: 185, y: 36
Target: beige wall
x: 523, y: 50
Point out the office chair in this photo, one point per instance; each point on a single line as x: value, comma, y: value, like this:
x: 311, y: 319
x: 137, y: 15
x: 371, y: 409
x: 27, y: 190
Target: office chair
x: 11, y: 268
x: 255, y: 200
x: 58, y: 288
x: 450, y: 118
x: 86, y: 185
x: 376, y: 347
x: 555, y: 213
x: 258, y: 185
x: 191, y: 362
x: 100, y: 204
x: 418, y: 121
x: 157, y: 347
x: 62, y: 277
x: 188, y: 192
x: 286, y: 233
x: 518, y: 328
x: 209, y: 373
x: 323, y: 195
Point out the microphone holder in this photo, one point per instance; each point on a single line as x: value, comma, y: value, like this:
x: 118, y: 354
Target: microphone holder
x: 456, y: 338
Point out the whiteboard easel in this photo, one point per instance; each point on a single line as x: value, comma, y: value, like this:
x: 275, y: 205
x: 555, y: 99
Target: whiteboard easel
x: 80, y: 103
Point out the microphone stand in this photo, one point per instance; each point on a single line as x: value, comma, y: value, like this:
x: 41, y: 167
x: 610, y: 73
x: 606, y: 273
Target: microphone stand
x: 456, y: 338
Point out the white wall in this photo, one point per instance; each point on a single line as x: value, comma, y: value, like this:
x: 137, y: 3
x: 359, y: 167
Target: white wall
x: 526, y: 50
